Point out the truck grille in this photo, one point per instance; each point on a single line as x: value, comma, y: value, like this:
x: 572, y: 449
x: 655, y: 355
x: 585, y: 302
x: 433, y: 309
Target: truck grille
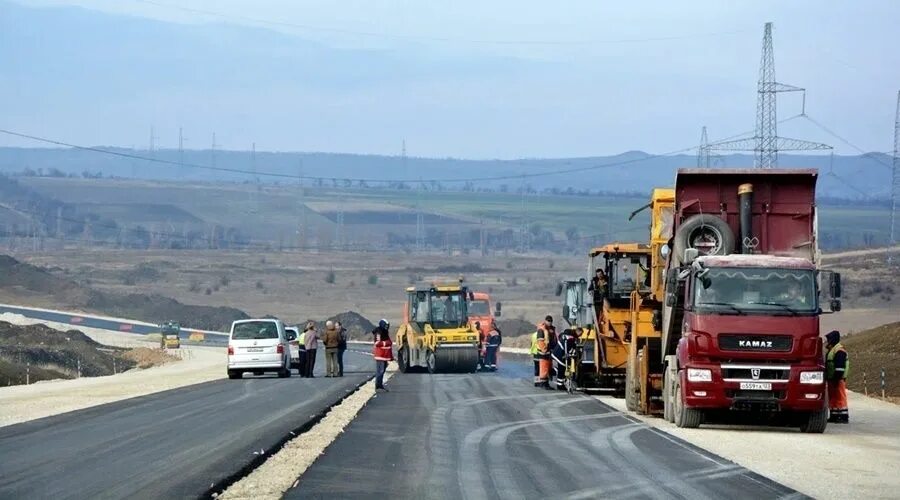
x: 755, y: 343
x: 755, y: 373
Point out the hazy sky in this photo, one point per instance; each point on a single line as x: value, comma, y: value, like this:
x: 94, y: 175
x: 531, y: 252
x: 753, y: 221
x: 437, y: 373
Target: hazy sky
x: 596, y: 77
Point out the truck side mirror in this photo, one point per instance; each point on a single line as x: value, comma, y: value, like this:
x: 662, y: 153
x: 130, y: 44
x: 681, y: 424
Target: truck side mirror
x: 559, y: 288
x: 566, y: 311
x: 836, y: 286
x: 497, y: 312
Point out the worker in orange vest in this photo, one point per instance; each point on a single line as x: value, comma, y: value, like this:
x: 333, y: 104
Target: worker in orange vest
x: 837, y: 367
x: 543, y: 354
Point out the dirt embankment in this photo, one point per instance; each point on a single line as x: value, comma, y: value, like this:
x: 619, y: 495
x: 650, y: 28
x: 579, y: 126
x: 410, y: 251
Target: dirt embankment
x: 18, y: 279
x: 870, y: 352
x: 33, y: 353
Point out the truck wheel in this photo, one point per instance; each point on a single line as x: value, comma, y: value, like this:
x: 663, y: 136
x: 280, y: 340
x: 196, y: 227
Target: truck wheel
x: 631, y: 399
x: 403, y: 359
x: 707, y: 233
x: 688, y: 418
x: 815, y: 422
x: 667, y: 396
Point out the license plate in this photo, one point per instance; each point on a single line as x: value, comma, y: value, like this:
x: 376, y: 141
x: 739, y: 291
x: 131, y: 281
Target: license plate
x: 756, y: 386
x: 254, y: 349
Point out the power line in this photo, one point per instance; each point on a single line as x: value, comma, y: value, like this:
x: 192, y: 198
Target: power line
x: 397, y: 36
x: 547, y: 173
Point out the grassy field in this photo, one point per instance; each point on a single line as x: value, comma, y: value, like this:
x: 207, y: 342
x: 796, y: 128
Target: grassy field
x: 281, y: 216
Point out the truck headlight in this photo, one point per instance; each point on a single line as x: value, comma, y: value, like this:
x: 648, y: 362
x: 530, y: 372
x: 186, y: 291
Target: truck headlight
x: 812, y: 377
x: 699, y: 375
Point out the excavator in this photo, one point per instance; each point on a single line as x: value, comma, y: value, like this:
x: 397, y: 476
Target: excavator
x: 436, y: 333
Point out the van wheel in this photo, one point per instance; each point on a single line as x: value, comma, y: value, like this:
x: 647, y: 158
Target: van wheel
x: 235, y: 374
x: 688, y: 418
x: 284, y: 372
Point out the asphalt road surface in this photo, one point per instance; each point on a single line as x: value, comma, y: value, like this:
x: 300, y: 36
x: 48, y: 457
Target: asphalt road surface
x: 496, y: 436
x: 173, y: 444
x: 115, y: 325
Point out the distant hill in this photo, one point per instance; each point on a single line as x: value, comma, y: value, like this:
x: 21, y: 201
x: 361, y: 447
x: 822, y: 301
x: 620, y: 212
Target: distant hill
x: 854, y: 177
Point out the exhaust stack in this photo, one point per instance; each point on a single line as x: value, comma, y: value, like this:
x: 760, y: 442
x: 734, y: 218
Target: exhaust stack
x: 745, y: 195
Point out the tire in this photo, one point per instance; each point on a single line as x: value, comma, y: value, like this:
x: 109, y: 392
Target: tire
x: 285, y: 371
x: 815, y: 422
x: 668, y: 411
x: 403, y: 359
x: 430, y: 362
x: 235, y: 374
x: 703, y: 228
x: 631, y: 399
x: 686, y: 418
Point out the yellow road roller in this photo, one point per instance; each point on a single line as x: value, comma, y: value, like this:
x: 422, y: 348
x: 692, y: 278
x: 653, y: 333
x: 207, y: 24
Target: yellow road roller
x: 436, y: 333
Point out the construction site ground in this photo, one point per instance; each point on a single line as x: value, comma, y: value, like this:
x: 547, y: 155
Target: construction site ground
x: 28, y: 402
x: 858, y: 460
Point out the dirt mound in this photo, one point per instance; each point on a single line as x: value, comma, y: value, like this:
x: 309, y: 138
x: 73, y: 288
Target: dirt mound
x: 357, y: 325
x: 49, y: 354
x: 27, y: 280
x: 145, y: 357
x: 870, y: 352
x: 156, y: 308
x: 515, y: 327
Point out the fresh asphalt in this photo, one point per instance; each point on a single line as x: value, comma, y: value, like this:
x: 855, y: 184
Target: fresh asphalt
x: 493, y: 435
x: 173, y: 444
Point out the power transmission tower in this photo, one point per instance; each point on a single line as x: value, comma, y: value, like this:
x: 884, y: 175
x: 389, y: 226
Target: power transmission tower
x: 766, y: 143
x: 523, y: 231
x: 212, y: 151
x: 180, y: 152
x: 703, y: 151
x: 255, y: 188
x: 895, y: 178
x: 301, y: 207
x: 339, y: 229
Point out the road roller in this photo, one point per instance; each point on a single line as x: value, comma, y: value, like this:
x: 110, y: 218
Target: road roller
x: 436, y: 333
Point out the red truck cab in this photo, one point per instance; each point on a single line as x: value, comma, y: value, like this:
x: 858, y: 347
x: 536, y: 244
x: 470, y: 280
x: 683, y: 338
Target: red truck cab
x: 743, y: 298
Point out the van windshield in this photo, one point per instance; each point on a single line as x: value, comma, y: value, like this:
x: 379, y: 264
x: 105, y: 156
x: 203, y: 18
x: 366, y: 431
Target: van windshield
x: 255, y: 330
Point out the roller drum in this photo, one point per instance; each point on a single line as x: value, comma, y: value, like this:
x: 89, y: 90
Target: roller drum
x: 456, y: 359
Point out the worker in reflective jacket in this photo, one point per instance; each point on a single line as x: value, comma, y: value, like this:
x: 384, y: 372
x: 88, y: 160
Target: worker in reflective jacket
x: 544, y: 359
x: 837, y: 367
x: 535, y: 357
x: 493, y: 345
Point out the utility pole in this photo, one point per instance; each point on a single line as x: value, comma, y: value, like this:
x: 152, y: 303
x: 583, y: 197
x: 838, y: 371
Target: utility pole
x: 301, y: 209
x: 254, y: 189
x: 212, y: 151
x: 703, y: 151
x: 766, y: 143
x: 180, y: 152
x: 895, y: 179
x: 523, y: 230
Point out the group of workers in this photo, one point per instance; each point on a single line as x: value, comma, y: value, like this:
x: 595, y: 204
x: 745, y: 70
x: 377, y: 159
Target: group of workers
x: 551, y: 353
x: 334, y: 339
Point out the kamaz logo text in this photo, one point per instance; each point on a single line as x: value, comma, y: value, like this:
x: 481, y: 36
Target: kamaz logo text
x: 760, y: 344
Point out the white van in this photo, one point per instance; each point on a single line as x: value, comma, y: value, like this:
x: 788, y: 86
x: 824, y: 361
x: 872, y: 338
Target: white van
x: 258, y: 346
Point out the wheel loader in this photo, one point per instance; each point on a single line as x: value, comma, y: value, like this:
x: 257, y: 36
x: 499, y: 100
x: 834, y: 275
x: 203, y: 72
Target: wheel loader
x: 436, y: 333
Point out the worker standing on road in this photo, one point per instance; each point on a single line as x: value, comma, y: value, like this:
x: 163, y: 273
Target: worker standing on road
x: 552, y: 341
x: 331, y: 341
x: 837, y: 367
x: 342, y: 346
x: 301, y: 344
x: 493, y: 346
x: 544, y: 359
x: 312, y: 342
x: 383, y: 352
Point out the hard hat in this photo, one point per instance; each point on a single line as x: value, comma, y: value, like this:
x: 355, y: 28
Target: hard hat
x: 383, y: 323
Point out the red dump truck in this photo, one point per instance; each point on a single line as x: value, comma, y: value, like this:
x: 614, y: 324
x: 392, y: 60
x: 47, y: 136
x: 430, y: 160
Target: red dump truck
x: 744, y: 292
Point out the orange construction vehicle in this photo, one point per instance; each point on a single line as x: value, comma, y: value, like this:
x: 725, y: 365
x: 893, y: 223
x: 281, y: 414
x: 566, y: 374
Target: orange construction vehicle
x: 481, y: 312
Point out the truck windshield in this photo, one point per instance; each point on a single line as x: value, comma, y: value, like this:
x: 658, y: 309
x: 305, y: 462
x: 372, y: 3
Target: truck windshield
x: 479, y: 308
x: 627, y: 272
x: 753, y: 289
